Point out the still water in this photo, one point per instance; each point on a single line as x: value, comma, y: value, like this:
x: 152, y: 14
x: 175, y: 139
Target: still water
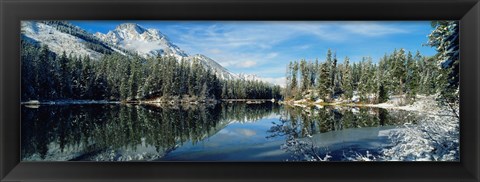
x: 221, y: 132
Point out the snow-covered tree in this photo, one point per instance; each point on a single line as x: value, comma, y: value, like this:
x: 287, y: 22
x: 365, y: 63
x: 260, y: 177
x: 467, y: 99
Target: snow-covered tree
x: 445, y: 38
x: 347, y: 86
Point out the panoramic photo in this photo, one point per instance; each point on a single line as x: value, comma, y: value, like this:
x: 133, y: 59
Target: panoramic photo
x: 252, y: 91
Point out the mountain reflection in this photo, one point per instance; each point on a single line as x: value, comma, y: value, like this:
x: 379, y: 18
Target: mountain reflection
x: 125, y: 132
x: 146, y: 132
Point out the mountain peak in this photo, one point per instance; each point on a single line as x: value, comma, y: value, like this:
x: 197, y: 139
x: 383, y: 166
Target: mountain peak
x: 146, y: 42
x: 131, y: 27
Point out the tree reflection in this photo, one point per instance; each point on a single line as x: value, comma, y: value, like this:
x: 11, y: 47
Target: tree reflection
x: 80, y: 132
x: 298, y: 125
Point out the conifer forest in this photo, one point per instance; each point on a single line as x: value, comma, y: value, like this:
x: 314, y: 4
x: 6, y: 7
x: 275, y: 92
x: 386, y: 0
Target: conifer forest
x: 240, y: 91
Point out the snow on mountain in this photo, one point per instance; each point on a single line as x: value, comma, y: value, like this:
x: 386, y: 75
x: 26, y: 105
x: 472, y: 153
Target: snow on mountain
x: 146, y: 42
x: 151, y: 42
x: 221, y: 71
x: 218, y: 69
x: 250, y: 77
x: 56, y: 40
x: 63, y: 36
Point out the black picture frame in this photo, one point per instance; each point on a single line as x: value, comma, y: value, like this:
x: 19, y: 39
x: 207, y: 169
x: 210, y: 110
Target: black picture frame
x: 13, y: 11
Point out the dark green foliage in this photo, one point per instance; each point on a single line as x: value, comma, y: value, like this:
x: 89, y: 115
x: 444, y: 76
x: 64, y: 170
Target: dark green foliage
x: 445, y: 38
x: 382, y: 94
x: 46, y: 76
x: 347, y: 86
x: 395, y: 74
x: 305, y: 75
x: 124, y: 126
x: 412, y: 78
x: 323, y: 85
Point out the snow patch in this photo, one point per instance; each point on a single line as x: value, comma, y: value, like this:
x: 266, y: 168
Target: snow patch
x: 57, y: 41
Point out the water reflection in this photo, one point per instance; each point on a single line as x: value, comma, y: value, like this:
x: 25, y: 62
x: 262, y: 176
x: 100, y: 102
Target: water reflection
x: 304, y: 129
x: 239, y: 131
x: 124, y: 132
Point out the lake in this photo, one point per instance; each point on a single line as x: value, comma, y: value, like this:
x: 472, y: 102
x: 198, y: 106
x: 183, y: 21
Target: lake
x: 218, y: 132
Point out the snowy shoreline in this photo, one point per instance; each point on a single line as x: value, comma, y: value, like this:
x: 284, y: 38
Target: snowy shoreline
x: 424, y: 104
x: 433, y: 138
x: 68, y: 102
x: 157, y: 101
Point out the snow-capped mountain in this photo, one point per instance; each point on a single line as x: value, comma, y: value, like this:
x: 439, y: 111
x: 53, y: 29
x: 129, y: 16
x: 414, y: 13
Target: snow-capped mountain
x: 61, y: 36
x: 59, y: 41
x: 146, y: 42
x: 151, y: 42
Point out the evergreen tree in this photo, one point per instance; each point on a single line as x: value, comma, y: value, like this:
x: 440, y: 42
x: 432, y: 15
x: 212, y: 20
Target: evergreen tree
x: 412, y: 77
x: 305, y: 76
x: 63, y: 76
x: 398, y: 70
x: 293, y: 85
x: 445, y: 38
x: 347, y: 86
x: 382, y: 94
x: 324, y: 82
x: 333, y: 71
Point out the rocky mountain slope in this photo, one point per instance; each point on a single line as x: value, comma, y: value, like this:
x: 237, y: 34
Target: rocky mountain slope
x: 126, y: 38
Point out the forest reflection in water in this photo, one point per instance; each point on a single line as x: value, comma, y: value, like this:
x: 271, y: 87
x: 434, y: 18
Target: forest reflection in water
x: 122, y: 132
x: 336, y: 133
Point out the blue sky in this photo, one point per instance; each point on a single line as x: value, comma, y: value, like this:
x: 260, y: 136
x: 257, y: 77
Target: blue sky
x: 265, y: 48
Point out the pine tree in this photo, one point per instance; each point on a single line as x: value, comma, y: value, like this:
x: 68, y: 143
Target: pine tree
x: 134, y: 79
x: 42, y: 74
x: 384, y: 76
x: 347, y: 86
x: 61, y: 76
x: 86, y: 80
x: 372, y: 84
x: 293, y: 85
x: 324, y: 82
x: 288, y: 80
x: 399, y: 72
x: 445, y: 38
x: 382, y: 94
x: 362, y: 88
x: 305, y: 76
x: 412, y: 76
x: 333, y: 80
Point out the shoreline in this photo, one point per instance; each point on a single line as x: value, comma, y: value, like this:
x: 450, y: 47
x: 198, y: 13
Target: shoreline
x: 425, y: 104
x: 157, y: 101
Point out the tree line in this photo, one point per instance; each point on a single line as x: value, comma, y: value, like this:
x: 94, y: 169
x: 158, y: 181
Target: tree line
x: 116, y: 77
x: 398, y: 73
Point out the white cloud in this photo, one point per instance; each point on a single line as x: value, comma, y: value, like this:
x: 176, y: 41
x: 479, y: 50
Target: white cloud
x: 271, y: 55
x: 232, y: 36
x: 371, y: 29
x: 215, y: 51
x: 246, y: 132
x: 239, y: 45
x: 303, y: 47
x: 277, y: 81
x: 246, y: 64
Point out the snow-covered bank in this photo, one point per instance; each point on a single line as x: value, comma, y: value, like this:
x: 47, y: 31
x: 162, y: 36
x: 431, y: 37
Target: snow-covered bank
x: 425, y: 104
x: 432, y: 138
x: 435, y: 138
x: 66, y: 102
